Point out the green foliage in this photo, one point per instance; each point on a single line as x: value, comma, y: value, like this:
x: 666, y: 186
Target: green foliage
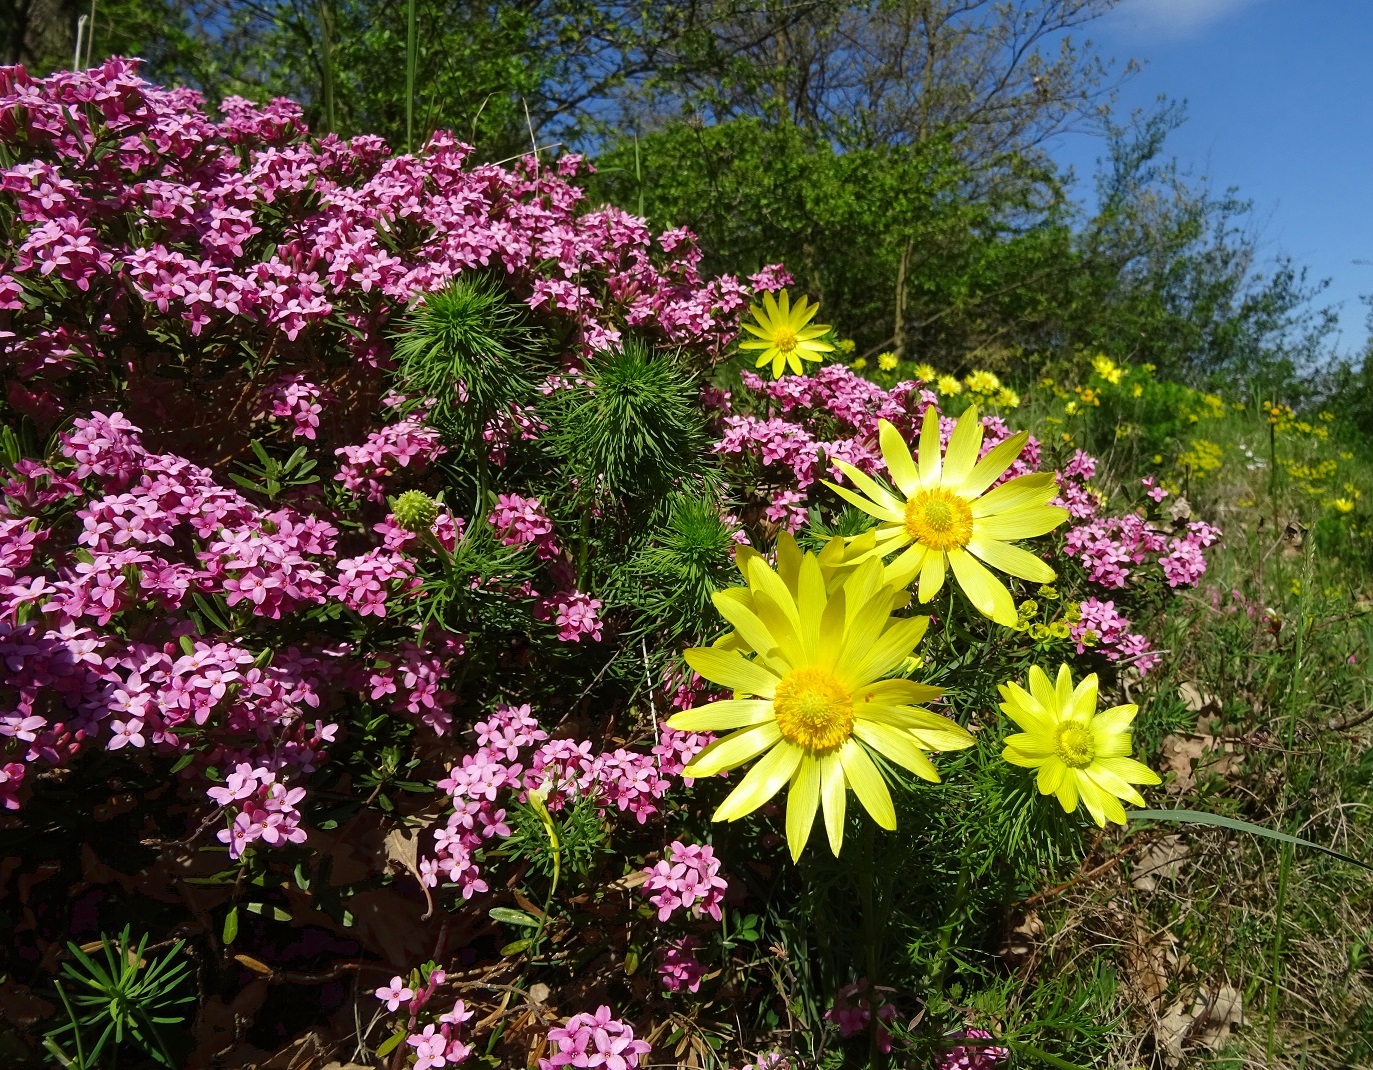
x: 128, y: 996
x: 633, y: 430
x: 690, y: 557
x: 269, y: 476
x: 470, y: 350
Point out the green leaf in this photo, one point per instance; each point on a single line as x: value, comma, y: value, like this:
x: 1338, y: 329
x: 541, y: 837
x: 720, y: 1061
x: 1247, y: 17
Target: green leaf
x: 516, y: 946
x: 511, y: 916
x: 1201, y: 817
x: 183, y: 761
x: 390, y: 1044
x: 1043, y: 1056
x: 231, y: 926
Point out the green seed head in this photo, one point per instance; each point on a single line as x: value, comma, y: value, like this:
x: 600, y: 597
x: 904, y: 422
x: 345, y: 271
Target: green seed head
x: 415, y: 511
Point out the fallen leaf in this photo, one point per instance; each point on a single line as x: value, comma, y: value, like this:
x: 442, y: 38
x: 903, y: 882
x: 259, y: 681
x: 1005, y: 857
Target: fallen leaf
x: 1210, y: 1022
x: 1222, y: 1019
x: 1188, y: 753
x: 1161, y: 859
x: 1147, y: 961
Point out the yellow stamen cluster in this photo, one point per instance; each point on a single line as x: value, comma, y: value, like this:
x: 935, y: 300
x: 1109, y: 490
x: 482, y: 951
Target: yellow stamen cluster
x: 814, y: 709
x: 939, y: 519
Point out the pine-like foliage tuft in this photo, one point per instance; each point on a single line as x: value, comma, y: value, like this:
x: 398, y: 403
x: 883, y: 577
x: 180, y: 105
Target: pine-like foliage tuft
x: 636, y: 424
x: 691, y: 557
x: 474, y: 351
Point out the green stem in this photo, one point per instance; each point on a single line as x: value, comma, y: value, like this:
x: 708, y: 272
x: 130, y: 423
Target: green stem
x: 410, y: 57
x: 1275, y: 961
x: 326, y: 48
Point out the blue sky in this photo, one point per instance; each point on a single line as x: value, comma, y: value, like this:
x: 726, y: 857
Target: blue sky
x: 1280, y: 102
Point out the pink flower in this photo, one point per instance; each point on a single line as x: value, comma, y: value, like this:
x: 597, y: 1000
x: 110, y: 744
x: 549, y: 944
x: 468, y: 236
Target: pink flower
x: 973, y: 1057
x: 394, y: 994
x: 594, y: 1040
x: 688, y: 879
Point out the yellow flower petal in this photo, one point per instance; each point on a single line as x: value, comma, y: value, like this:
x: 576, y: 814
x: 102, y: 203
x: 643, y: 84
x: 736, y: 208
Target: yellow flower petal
x: 931, y: 463
x: 897, y: 456
x: 878, y: 494
x: 1012, y: 560
x: 931, y: 575
x: 832, y: 795
x: 900, y: 693
x: 733, y: 750
x: 867, y: 783
x: 1037, y: 488
x: 1025, y: 523
x: 722, y: 716
x: 999, y: 458
x: 964, y: 445
x: 761, y: 782
x: 984, y: 590
x: 732, y: 670
x: 803, y: 799
x: 898, y: 746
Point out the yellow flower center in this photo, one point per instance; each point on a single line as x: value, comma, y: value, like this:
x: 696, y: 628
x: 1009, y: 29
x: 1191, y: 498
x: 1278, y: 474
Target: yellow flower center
x: 1076, y: 746
x: 784, y: 338
x: 939, y: 519
x: 813, y: 709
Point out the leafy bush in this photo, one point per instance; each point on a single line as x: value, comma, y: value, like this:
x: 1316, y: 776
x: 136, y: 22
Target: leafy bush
x: 369, y: 521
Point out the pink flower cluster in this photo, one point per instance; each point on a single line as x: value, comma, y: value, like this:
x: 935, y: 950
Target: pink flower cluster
x: 1108, y: 547
x: 1104, y: 629
x: 853, y: 1018
x: 678, y: 966
x: 267, y: 809
x: 973, y: 1057
x: 687, y: 880
x: 440, y: 1042
x: 246, y: 227
x: 366, y: 469
x: 1184, y: 564
x: 522, y: 522
x: 292, y: 397
x: 575, y: 615
x: 594, y: 1040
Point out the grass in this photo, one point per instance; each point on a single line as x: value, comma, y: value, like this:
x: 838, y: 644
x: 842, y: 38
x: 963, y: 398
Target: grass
x: 1236, y: 951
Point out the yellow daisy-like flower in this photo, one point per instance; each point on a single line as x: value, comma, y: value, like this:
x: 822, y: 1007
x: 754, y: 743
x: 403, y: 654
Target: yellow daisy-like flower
x: 1007, y: 398
x: 926, y: 373
x: 887, y: 361
x: 811, y: 704
x: 1080, y: 754
x: 785, y: 334
x: 948, y: 386
x: 945, y: 518
x: 1344, y: 505
x: 837, y: 561
x: 985, y: 383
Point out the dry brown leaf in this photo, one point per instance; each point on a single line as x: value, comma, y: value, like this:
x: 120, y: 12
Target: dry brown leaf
x: 1147, y: 961
x: 1223, y: 1018
x: 1185, y: 754
x: 1196, y: 698
x: 1210, y: 1022
x: 1161, y: 859
x: 1019, y: 942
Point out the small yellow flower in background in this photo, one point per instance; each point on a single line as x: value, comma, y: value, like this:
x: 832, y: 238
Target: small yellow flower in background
x: 1245, y: 503
x: 847, y: 346
x: 1296, y: 587
x: 1046, y: 382
x: 1039, y: 632
x: 887, y: 361
x: 1060, y: 630
x: 859, y: 363
x: 1007, y: 398
x: 1325, y: 416
x: 1136, y: 390
x: 948, y: 386
x: 1072, y: 612
x: 1081, y: 755
x: 983, y: 383
x: 1046, y: 591
x: 926, y: 373
x: 945, y: 518
x: 813, y: 702
x: 1071, y: 408
x: 785, y: 334
x: 1158, y: 458
x: 1344, y: 505
x: 1107, y: 369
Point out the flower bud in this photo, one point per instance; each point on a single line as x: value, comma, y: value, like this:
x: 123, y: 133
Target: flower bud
x: 415, y: 511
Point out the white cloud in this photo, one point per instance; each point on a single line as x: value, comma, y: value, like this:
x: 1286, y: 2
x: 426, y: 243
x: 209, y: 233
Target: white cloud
x: 1174, y: 18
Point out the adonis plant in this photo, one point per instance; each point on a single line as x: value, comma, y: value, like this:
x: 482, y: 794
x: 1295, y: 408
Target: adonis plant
x: 370, y: 602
